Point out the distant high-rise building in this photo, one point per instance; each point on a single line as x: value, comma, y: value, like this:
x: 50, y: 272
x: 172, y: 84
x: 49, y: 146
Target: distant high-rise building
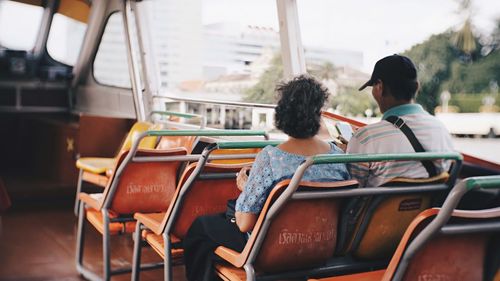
x: 231, y: 48
x: 187, y: 50
x: 176, y: 29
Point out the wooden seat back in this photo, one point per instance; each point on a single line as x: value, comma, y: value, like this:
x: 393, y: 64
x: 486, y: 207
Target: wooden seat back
x: 462, y: 256
x: 205, y: 196
x: 144, y: 186
x: 232, y: 152
x: 303, y: 233
x: 383, y: 219
x: 187, y: 142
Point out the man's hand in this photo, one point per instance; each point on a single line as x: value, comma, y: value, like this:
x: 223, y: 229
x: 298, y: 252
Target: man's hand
x: 343, y: 143
x: 242, y: 177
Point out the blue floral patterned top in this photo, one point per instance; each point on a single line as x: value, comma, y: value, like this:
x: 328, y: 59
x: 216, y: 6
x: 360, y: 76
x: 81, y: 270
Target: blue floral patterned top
x: 273, y: 165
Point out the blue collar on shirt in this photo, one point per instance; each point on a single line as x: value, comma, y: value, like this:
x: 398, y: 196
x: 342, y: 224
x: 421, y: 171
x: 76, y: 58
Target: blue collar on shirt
x: 404, y: 109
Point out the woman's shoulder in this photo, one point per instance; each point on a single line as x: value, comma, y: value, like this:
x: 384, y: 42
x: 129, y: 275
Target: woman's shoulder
x: 267, y: 150
x: 265, y: 153
x: 273, y: 151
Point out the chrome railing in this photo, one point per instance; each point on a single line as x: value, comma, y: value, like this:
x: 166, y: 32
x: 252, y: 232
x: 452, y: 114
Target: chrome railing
x: 216, y: 102
x: 256, y: 110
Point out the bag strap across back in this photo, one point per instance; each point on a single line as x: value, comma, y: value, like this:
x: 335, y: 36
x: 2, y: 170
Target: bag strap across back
x: 417, y: 146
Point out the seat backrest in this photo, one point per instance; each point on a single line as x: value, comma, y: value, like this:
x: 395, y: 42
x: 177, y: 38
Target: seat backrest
x: 459, y: 256
x: 144, y: 186
x: 207, y: 195
x: 303, y: 233
x: 372, y: 226
x: 187, y: 142
x: 232, y: 152
x: 137, y: 128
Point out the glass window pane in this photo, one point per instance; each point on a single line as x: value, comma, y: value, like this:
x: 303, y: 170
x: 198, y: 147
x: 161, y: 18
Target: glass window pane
x: 19, y: 25
x: 356, y: 37
x: 110, y: 64
x: 65, y: 39
x: 216, y: 49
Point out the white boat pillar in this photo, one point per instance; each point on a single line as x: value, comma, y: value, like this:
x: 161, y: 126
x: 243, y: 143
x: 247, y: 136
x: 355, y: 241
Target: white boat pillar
x: 292, y: 51
x: 133, y: 64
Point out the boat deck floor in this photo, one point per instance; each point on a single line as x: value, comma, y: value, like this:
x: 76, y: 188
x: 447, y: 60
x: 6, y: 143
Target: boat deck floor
x: 38, y: 243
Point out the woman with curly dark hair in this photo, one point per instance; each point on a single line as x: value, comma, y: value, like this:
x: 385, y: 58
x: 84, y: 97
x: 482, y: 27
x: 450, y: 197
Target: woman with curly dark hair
x: 298, y: 115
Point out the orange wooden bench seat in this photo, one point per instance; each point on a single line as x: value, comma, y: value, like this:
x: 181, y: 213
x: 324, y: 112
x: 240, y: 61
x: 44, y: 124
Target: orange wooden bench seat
x: 229, y: 273
x: 143, y: 186
x: 204, y: 189
x: 384, y: 218
x: 153, y: 221
x: 202, y: 197
x: 98, y: 170
x: 302, y: 233
x: 455, y: 257
x: 115, y: 228
x: 156, y: 242
x: 285, y: 243
x: 445, y: 243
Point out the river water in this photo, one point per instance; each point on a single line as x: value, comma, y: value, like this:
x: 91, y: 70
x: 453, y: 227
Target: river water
x: 487, y: 149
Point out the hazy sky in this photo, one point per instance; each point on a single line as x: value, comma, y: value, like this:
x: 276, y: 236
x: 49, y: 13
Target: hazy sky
x: 376, y: 28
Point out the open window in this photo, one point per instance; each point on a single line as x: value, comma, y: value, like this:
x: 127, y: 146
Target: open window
x: 67, y: 31
x: 15, y: 14
x: 110, y: 64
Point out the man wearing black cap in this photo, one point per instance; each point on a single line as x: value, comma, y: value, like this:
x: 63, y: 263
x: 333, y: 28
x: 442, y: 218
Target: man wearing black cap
x: 405, y: 127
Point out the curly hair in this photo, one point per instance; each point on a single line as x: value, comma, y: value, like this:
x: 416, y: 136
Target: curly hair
x: 299, y: 107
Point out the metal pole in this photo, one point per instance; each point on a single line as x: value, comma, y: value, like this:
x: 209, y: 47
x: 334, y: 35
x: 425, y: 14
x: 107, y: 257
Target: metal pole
x: 43, y: 34
x: 292, y: 51
x: 136, y: 258
x: 133, y: 66
x: 95, y: 28
x: 150, y: 71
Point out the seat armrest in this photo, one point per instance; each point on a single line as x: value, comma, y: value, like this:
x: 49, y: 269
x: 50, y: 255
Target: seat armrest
x: 229, y: 255
x: 152, y: 221
x: 90, y: 201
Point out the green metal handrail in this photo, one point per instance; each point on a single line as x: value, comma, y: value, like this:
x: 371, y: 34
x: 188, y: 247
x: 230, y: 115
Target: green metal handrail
x: 486, y: 182
x: 356, y: 158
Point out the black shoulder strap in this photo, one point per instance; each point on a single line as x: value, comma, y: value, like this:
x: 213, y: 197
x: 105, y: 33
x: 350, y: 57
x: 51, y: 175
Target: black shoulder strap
x: 400, y: 124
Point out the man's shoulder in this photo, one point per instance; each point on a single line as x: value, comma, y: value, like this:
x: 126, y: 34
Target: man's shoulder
x: 428, y: 121
x: 371, y: 128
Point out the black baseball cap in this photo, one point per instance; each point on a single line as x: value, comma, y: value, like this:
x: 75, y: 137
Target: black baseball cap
x: 393, y: 69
